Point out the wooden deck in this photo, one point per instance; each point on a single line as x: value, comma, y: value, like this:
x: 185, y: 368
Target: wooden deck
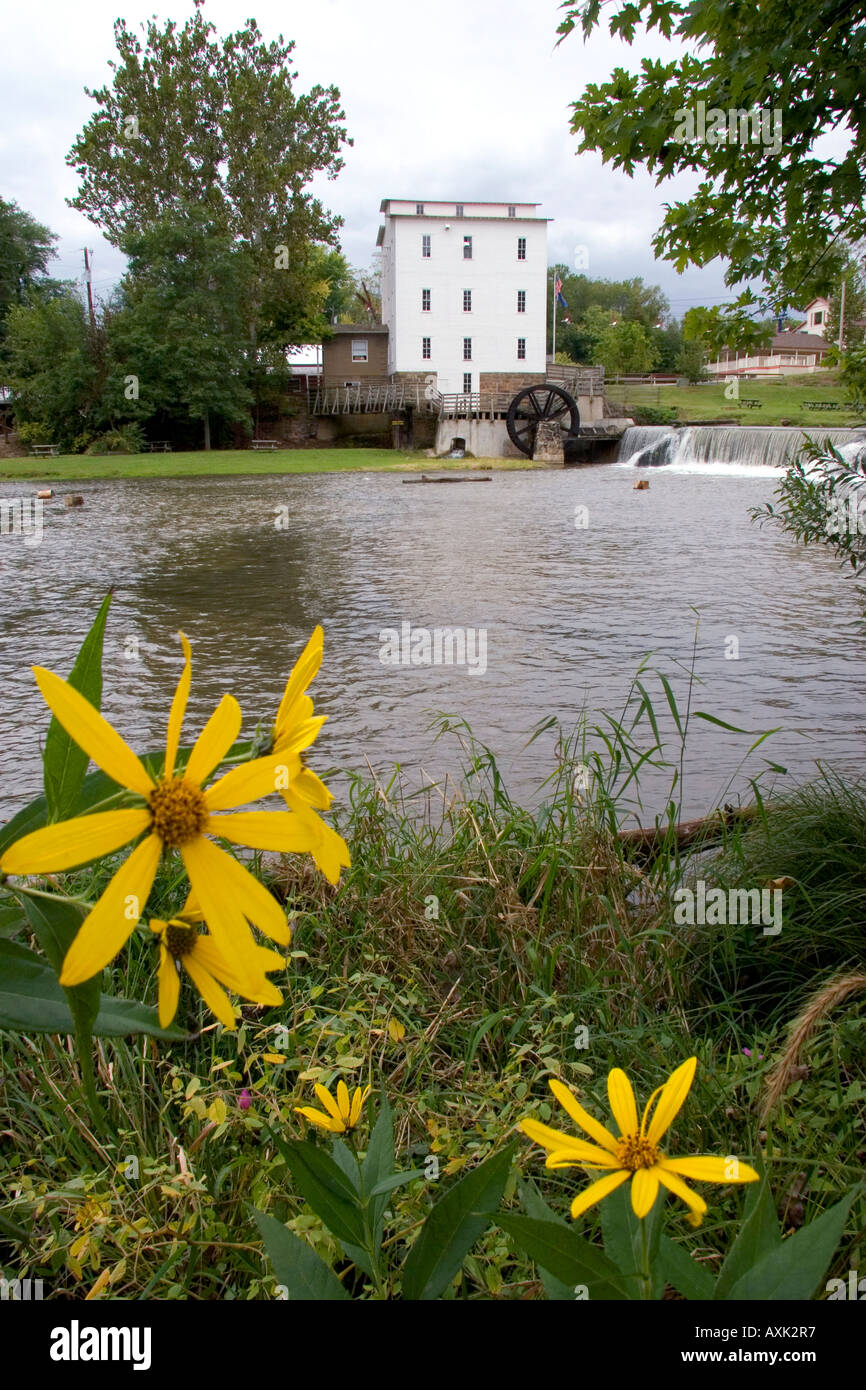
x: 383, y: 396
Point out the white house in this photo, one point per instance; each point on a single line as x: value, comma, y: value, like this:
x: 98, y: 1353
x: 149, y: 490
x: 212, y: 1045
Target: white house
x: 464, y: 291
x: 817, y: 312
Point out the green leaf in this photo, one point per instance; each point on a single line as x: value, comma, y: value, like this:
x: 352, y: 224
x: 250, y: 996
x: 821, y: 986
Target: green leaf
x: 64, y: 763
x: 565, y: 1253
x: 12, y: 919
x: 678, y: 1269
x: 55, y: 923
x: 327, y: 1190
x: 794, y: 1269
x: 758, y: 1236
x: 396, y: 1180
x: 298, y: 1268
x: 32, y: 1001
x: 453, y: 1226
x: 537, y: 1208
x: 378, y: 1166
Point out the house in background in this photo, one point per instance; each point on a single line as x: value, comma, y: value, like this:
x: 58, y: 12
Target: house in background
x: 464, y: 292
x: 791, y: 353
x: 817, y: 312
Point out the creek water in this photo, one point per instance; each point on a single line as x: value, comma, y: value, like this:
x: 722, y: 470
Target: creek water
x: 569, y: 611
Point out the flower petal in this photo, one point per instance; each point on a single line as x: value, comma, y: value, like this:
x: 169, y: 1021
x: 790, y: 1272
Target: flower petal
x: 644, y: 1190
x: 261, y: 777
x: 706, y: 1169
x: 246, y: 892
x: 216, y: 738
x: 573, y: 1108
x: 73, y: 842
x: 107, y: 926
x: 622, y: 1102
x: 178, y: 709
x: 317, y: 1118
x: 94, y: 734
x: 597, y: 1190
x: 213, y: 995
x: 567, y: 1158
x: 206, y: 951
x: 680, y: 1189
x: 326, y: 1099
x: 312, y: 789
x: 300, y: 736
x: 343, y: 1101
x: 274, y: 830
x: 556, y: 1142
x: 302, y: 674
x: 331, y: 854
x: 213, y: 888
x: 670, y: 1102
x: 169, y: 988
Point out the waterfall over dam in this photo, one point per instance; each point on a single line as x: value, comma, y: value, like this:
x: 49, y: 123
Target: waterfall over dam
x: 657, y: 446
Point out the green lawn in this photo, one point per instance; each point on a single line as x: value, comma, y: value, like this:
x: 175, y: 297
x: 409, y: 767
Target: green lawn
x: 781, y: 401
x: 77, y: 468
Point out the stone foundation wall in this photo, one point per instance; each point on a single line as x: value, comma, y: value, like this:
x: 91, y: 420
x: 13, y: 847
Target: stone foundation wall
x: 511, y: 382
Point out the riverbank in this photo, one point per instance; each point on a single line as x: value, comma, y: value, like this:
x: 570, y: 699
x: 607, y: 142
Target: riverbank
x: 239, y: 462
x: 462, y: 963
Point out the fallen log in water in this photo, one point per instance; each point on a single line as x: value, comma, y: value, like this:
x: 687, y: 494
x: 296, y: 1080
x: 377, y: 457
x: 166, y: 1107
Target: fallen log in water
x: 425, y: 479
x: 706, y: 830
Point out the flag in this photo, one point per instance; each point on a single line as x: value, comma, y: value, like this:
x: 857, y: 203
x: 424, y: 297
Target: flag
x: 560, y: 297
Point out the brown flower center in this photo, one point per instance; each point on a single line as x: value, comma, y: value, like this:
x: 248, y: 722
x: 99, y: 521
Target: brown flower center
x: 179, y: 811
x: 179, y: 938
x: 635, y: 1151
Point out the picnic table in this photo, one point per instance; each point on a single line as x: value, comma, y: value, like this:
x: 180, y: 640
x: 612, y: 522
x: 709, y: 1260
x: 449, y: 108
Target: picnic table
x: 823, y: 405
x: 41, y: 451
x: 158, y: 446
x: 269, y: 444
x: 751, y: 405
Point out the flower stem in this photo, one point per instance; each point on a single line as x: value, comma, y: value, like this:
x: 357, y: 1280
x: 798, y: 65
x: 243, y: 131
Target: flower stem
x: 645, y: 1275
x: 84, y: 1053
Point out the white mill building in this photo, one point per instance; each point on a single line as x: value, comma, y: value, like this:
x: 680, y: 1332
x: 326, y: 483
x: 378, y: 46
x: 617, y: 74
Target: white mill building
x: 464, y: 291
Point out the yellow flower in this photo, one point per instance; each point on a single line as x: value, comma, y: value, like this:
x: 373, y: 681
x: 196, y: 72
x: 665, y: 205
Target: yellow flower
x: 342, y: 1114
x: 635, y: 1153
x: 306, y: 793
x: 182, y: 945
x: 173, y: 812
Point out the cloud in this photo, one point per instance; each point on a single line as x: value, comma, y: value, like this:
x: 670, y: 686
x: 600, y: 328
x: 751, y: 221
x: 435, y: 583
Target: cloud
x: 467, y: 99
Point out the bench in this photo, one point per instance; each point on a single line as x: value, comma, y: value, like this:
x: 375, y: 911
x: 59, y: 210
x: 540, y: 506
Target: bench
x: 41, y: 451
x: 823, y: 405
x: 751, y: 405
x: 268, y: 444
x: 158, y: 446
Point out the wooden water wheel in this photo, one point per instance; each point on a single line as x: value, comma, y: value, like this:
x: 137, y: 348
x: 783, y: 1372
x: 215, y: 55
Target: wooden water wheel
x: 536, y: 403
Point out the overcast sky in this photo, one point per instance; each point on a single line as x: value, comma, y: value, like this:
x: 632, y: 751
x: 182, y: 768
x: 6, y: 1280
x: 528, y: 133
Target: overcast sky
x: 462, y: 99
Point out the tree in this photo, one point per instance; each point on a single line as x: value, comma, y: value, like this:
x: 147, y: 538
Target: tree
x: 766, y: 202
x: 625, y: 347
x: 191, y: 122
x: 51, y: 368
x: 718, y: 327
x: 26, y: 247
x: 177, y: 339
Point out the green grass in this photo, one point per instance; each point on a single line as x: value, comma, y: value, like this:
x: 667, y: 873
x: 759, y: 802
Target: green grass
x: 239, y: 462
x: 780, y: 401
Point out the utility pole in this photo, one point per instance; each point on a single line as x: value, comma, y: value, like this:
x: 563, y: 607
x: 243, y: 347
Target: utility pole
x: 87, y: 277
x: 842, y: 315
